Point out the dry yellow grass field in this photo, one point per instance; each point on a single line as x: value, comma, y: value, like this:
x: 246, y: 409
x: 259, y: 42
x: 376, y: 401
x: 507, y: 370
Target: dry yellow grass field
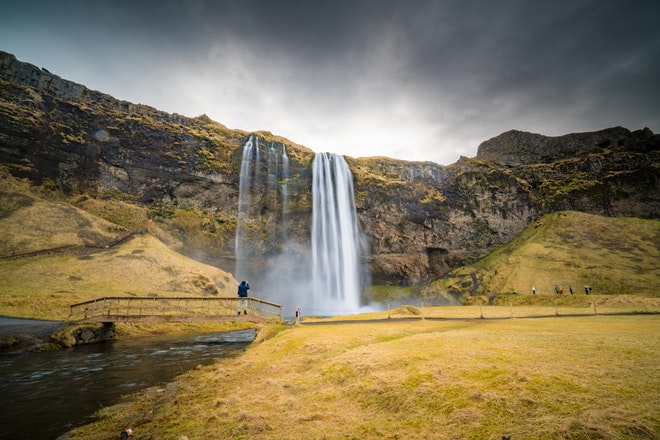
x: 591, y: 377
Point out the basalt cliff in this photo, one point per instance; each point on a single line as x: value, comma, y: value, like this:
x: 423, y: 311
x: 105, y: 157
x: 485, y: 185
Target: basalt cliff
x: 419, y: 218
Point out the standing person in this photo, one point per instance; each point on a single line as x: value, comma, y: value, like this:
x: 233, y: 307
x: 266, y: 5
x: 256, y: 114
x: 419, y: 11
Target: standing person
x: 533, y: 290
x: 243, y: 293
x: 571, y: 289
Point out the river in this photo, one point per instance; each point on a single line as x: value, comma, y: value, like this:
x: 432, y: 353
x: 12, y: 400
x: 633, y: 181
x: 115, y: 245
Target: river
x: 44, y: 395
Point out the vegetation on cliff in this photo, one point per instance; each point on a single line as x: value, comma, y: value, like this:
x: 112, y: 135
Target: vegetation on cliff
x: 54, y: 254
x: 141, y: 169
x: 185, y: 172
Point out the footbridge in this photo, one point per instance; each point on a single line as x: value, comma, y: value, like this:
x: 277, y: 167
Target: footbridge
x: 174, y: 309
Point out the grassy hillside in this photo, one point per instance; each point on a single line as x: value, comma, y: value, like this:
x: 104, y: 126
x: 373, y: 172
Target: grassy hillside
x: 30, y: 223
x: 44, y: 282
x: 613, y: 255
x: 42, y: 286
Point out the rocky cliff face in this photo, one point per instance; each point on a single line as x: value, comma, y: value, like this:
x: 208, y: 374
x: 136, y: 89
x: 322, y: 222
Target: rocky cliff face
x: 419, y: 218
x: 515, y: 148
x: 423, y: 223
x: 434, y: 220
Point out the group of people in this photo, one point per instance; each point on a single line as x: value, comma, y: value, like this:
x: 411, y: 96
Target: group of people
x: 559, y: 290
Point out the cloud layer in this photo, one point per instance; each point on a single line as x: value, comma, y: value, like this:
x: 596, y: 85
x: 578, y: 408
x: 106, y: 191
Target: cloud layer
x: 415, y: 80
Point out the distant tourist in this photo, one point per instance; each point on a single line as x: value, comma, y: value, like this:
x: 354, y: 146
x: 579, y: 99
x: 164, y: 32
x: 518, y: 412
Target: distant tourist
x: 243, y: 293
x: 533, y: 290
x: 586, y: 290
x: 571, y: 289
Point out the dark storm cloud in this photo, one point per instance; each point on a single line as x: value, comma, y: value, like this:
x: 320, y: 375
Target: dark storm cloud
x: 415, y: 79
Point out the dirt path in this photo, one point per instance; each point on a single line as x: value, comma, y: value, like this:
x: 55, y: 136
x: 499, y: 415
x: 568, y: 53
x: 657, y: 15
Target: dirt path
x: 20, y: 334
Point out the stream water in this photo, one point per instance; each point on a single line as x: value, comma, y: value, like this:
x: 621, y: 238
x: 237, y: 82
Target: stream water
x: 44, y: 395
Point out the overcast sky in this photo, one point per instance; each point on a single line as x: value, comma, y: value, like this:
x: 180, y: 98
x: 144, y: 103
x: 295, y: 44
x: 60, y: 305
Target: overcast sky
x: 408, y: 79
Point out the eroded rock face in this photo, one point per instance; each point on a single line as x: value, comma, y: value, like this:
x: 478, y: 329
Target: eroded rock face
x: 87, y: 141
x: 422, y: 224
x: 515, y: 148
x: 419, y: 218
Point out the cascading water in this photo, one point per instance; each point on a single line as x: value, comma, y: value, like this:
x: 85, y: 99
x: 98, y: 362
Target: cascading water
x: 273, y: 166
x: 257, y: 160
x: 258, y: 189
x: 329, y: 282
x: 245, y: 186
x: 336, y: 238
x: 286, y: 175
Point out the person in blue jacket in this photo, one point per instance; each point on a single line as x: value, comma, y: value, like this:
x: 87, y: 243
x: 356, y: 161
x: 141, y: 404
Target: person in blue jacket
x: 243, y: 293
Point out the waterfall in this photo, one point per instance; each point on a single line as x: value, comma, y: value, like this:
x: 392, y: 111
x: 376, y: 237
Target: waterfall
x: 244, y: 189
x: 273, y: 166
x: 336, y: 276
x: 277, y: 262
x: 257, y: 161
x: 286, y: 175
x: 258, y: 190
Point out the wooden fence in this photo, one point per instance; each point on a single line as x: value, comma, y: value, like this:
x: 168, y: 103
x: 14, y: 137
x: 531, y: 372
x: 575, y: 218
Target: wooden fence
x: 173, y: 309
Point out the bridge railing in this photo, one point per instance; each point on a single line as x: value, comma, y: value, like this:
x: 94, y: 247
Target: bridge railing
x: 171, y: 309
